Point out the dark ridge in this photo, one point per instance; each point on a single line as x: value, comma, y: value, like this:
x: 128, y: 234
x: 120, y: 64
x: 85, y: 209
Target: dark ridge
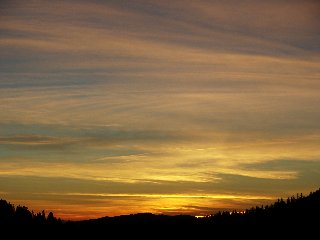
x: 291, y: 217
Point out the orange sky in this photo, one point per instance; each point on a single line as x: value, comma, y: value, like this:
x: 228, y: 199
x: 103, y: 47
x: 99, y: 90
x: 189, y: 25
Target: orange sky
x: 119, y: 107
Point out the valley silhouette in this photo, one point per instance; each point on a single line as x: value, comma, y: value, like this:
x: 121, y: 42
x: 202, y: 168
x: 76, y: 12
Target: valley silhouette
x: 295, y: 215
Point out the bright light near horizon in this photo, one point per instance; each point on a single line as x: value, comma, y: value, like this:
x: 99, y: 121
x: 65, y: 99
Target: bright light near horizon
x: 119, y: 107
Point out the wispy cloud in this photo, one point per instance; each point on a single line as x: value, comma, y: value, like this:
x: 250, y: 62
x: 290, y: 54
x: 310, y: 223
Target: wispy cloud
x: 35, y: 140
x: 133, y: 38
x: 186, y: 95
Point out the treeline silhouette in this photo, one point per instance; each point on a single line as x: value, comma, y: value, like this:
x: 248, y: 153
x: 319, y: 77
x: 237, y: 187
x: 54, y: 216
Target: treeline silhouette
x: 297, y: 214
x: 9, y: 215
x: 296, y: 210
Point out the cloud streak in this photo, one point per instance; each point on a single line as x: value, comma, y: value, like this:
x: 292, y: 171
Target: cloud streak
x: 183, y: 98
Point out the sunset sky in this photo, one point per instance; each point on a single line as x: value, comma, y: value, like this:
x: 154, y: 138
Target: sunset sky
x: 175, y: 107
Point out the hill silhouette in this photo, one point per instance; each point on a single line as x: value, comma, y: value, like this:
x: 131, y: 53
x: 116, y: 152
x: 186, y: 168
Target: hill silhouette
x: 296, y: 215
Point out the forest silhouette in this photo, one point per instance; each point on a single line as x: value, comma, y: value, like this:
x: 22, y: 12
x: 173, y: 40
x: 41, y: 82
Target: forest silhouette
x: 295, y: 215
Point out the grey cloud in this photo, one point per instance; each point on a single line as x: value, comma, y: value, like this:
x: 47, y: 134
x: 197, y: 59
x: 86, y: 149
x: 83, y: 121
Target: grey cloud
x: 285, y: 164
x: 33, y: 140
x: 307, y: 180
x: 205, y: 25
x: 228, y: 184
x: 51, y: 135
x: 165, y: 73
x: 67, y: 185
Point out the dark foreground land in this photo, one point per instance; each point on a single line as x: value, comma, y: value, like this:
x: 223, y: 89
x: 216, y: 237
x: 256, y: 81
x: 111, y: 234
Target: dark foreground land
x: 293, y: 217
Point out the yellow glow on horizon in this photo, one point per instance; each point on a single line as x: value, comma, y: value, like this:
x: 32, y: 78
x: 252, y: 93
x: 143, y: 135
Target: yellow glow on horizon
x: 108, y: 204
x: 108, y: 109
x: 208, y: 196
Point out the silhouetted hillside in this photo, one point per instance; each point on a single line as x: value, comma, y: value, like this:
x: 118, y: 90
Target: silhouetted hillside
x: 294, y: 211
x: 11, y: 215
x: 297, y: 214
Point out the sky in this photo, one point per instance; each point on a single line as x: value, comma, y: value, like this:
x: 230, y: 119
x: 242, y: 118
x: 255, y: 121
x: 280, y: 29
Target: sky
x: 170, y: 107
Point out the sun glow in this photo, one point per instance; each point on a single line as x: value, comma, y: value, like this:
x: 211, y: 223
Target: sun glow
x: 119, y: 107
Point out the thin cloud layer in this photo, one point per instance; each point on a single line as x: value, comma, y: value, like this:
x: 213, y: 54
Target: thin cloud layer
x: 158, y: 99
